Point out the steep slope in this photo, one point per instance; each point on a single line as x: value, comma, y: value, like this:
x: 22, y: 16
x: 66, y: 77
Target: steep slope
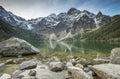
x: 7, y: 31
x: 110, y: 31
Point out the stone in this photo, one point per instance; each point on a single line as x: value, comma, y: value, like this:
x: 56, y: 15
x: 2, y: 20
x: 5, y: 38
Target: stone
x: 35, y: 60
x: 28, y: 65
x: 19, y: 56
x: 15, y: 47
x: 2, y: 64
x: 69, y: 64
x: 43, y: 72
x: 100, y: 61
x: 56, y: 66
x: 82, y: 61
x: 9, y: 61
x: 115, y: 56
x: 1, y: 56
x: 15, y: 61
x: 86, y: 69
x: 5, y: 76
x: 77, y: 73
x: 53, y: 59
x: 16, y: 74
x: 20, y: 59
x: 20, y: 76
x: 32, y: 73
x: 107, y: 71
x: 79, y: 65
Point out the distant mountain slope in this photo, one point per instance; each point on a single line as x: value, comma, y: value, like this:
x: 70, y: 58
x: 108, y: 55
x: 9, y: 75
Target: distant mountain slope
x: 7, y: 31
x: 111, y: 31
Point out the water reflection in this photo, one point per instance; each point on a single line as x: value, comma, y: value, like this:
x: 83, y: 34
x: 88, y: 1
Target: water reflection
x: 93, y: 49
x: 79, y: 47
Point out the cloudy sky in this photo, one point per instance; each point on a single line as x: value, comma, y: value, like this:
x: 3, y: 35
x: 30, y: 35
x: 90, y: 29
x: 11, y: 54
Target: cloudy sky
x: 39, y: 8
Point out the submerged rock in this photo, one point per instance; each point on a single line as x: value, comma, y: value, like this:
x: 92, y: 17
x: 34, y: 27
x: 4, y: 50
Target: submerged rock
x: 115, y: 56
x: 15, y: 47
x: 107, y: 71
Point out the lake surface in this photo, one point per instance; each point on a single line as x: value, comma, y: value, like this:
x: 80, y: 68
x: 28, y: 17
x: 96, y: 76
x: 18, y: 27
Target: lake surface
x: 89, y: 50
x: 64, y: 49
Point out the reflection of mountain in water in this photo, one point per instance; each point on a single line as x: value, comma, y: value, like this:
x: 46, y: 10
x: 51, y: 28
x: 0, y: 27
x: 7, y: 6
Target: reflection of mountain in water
x: 61, y: 44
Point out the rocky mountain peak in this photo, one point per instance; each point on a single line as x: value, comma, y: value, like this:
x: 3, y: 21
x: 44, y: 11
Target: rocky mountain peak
x: 73, y: 19
x: 52, y: 16
x: 1, y: 8
x: 72, y: 11
x: 99, y: 14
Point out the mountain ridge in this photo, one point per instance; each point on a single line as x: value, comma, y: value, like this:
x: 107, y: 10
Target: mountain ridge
x: 71, y: 21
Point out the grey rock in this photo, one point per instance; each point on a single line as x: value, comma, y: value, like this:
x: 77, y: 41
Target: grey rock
x: 100, y: 61
x: 2, y: 64
x: 5, y: 76
x: 9, y: 61
x: 16, y: 74
x: 56, y: 66
x: 107, y: 71
x: 53, y: 59
x: 15, y: 46
x: 69, y: 64
x: 77, y: 73
x: 32, y: 73
x: 86, y: 69
x: 28, y: 65
x: 102, y: 19
x: 115, y: 56
x: 82, y: 61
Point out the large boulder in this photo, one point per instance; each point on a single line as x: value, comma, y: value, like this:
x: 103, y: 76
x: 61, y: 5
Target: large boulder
x: 78, y: 73
x: 115, y: 56
x: 107, y: 71
x: 15, y: 47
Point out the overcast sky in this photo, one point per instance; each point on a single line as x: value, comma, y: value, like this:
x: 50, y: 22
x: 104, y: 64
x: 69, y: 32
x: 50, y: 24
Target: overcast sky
x: 40, y: 8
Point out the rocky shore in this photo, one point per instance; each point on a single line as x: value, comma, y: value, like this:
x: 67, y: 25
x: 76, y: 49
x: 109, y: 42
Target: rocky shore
x: 54, y: 68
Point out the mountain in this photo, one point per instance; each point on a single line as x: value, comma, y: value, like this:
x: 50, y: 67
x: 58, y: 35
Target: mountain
x: 7, y: 31
x: 102, y: 19
x: 71, y: 21
x: 109, y: 32
x: 9, y: 17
